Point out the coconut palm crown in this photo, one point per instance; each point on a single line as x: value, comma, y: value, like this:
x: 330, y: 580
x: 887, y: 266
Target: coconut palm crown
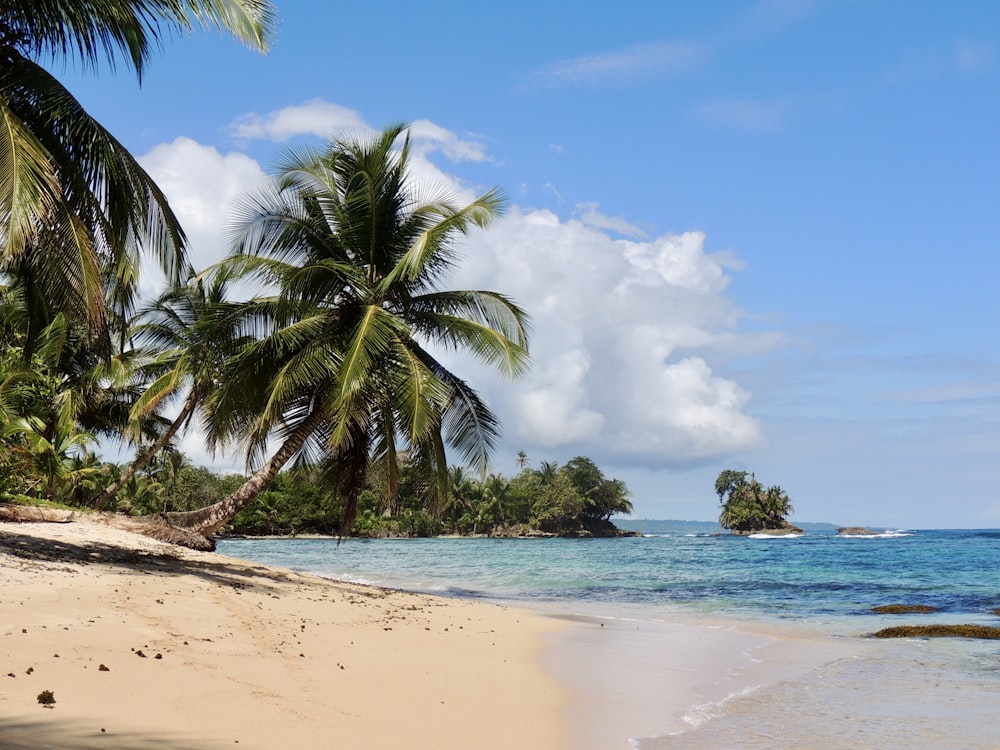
x: 76, y: 209
x: 346, y: 370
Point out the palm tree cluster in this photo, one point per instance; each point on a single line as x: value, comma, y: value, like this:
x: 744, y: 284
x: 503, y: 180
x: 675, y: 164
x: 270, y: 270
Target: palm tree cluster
x: 574, y: 498
x: 747, y: 506
x: 336, y: 361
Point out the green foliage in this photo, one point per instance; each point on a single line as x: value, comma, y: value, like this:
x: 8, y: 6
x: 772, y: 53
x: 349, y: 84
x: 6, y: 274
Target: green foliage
x: 557, y: 504
x: 76, y: 209
x: 747, y: 506
x: 602, y: 497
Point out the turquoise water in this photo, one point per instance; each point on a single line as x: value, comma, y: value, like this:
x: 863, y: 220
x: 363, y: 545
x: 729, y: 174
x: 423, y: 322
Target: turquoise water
x: 820, y: 577
x: 914, y: 693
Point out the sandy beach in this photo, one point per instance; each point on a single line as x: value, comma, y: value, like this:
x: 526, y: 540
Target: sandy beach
x: 146, y: 646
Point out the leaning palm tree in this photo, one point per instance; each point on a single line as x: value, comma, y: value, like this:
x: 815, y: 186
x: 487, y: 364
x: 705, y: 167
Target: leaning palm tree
x: 76, y: 209
x: 344, y: 370
x: 189, y: 332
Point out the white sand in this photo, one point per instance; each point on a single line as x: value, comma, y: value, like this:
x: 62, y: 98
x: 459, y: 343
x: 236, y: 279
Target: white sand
x: 237, y: 654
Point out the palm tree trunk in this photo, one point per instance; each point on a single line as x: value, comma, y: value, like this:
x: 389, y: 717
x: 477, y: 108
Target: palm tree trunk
x: 143, y: 460
x: 208, y: 520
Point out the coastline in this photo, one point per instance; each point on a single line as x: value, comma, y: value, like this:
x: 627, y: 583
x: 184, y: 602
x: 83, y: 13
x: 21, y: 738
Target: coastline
x: 260, y: 656
x: 653, y: 680
x: 201, y: 651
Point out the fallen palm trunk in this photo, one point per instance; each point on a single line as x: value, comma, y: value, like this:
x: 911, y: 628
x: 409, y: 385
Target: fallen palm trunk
x: 155, y: 526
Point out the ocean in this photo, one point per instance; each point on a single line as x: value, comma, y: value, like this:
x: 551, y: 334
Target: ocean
x: 811, y: 679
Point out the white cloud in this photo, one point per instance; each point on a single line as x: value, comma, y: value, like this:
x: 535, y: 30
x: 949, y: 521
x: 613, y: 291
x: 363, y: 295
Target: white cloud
x: 965, y: 57
x: 748, y: 114
x: 626, y: 331
x: 589, y: 215
x: 622, y: 66
x: 609, y: 319
x: 202, y: 186
x: 973, y: 57
x: 428, y: 138
x: 316, y: 117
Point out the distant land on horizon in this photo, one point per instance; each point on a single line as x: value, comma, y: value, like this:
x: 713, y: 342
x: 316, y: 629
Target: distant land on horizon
x: 658, y: 525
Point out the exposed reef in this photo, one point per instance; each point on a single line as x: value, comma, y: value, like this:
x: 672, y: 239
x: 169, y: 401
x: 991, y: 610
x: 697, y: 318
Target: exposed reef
x: 904, y: 609
x: 988, y: 632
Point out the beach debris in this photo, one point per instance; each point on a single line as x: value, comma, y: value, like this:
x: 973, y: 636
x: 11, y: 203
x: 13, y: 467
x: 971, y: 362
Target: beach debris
x: 46, y: 698
x: 139, y: 653
x: 904, y: 609
x: 29, y: 670
x: 988, y: 632
x: 103, y: 668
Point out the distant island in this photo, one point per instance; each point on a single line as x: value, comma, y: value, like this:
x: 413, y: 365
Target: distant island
x: 750, y: 508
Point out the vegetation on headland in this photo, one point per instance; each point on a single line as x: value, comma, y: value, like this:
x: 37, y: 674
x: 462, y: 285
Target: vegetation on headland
x: 574, y: 499
x: 749, y: 508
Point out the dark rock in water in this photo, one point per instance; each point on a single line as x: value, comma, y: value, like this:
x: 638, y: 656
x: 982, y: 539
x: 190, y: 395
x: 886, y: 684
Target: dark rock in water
x: 599, y: 527
x: 995, y: 612
x: 773, y: 531
x: 988, y: 632
x: 904, y: 609
x: 520, y: 531
x: 855, y: 531
x: 579, y: 528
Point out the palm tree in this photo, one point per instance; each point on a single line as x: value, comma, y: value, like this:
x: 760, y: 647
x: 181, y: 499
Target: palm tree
x: 547, y: 471
x: 494, y: 495
x: 190, y: 330
x: 343, y: 370
x: 747, y: 506
x: 76, y: 208
x: 521, y: 461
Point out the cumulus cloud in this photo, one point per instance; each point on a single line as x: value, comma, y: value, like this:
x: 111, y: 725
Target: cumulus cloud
x: 592, y: 217
x: 202, y: 186
x: 622, y: 66
x: 316, y: 117
x: 628, y: 333
x: 611, y: 319
x: 430, y: 138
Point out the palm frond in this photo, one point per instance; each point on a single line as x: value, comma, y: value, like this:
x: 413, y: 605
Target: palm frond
x: 103, y: 31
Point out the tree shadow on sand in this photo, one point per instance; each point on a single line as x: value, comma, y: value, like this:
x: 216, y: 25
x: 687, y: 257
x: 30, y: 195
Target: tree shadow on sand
x: 33, y: 548
x: 60, y: 734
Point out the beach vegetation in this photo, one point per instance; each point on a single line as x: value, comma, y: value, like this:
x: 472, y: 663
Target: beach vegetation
x: 77, y: 210
x: 343, y: 370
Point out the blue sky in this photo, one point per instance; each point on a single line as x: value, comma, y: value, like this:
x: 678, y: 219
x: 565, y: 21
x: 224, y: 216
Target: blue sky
x: 752, y: 234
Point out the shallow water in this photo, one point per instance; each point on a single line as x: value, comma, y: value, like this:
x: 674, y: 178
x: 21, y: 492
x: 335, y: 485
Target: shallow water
x: 914, y: 693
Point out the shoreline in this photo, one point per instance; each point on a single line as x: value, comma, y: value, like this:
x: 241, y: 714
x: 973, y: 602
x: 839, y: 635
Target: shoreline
x: 650, y: 679
x: 239, y: 653
x: 147, y: 646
